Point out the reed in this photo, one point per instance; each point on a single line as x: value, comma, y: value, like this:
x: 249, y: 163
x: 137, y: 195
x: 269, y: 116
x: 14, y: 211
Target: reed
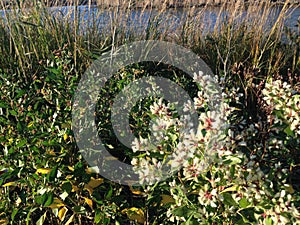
x: 241, y: 34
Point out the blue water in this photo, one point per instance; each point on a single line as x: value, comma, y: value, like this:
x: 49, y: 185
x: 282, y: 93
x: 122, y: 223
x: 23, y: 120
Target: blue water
x: 170, y: 19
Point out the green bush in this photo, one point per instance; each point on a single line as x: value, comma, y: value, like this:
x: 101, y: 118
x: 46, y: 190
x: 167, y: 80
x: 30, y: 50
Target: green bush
x: 251, y: 177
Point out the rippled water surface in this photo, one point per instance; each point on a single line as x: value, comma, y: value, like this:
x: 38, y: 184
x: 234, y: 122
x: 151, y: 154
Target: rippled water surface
x: 140, y: 19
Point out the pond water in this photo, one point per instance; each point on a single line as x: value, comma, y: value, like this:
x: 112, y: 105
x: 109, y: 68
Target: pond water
x: 139, y: 19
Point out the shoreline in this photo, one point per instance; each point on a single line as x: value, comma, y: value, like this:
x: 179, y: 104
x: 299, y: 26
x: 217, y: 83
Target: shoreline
x: 180, y: 3
x: 142, y: 4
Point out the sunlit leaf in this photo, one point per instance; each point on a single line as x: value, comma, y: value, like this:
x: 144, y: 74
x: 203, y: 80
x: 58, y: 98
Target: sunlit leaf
x: 91, y: 170
x: 62, y: 213
x: 93, y: 183
x: 232, y: 188
x: 30, y: 124
x: 64, y: 195
x: 3, y: 221
x: 43, y: 171
x: 231, y: 160
x: 89, y: 202
x: 18, y: 201
x: 110, y: 146
x: 9, y: 184
x: 42, y: 219
x: 56, y: 203
x: 135, y: 214
x: 269, y: 221
x: 71, y: 168
x: 136, y: 191
x: 243, y: 203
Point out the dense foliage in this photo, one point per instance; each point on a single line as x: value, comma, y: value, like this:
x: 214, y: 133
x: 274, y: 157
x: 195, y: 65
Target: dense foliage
x: 242, y: 170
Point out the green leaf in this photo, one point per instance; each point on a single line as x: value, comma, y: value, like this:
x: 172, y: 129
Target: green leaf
x: 242, y: 222
x: 79, y: 209
x: 190, y: 222
x: 109, y: 193
x: 21, y: 143
x: 20, y: 93
x: 3, y: 105
x: 41, y: 199
x: 14, y: 213
x: 52, y: 175
x: 244, y: 203
x: 19, y: 127
x: 67, y: 187
x: 42, y: 219
x: 98, y: 216
x: 288, y: 131
x: 49, y: 200
x: 13, y: 112
x: 269, y: 221
x: 231, y: 160
x: 231, y: 189
x: 183, y: 211
x: 79, y: 170
x: 55, y: 71
x: 228, y: 200
x: 36, y: 105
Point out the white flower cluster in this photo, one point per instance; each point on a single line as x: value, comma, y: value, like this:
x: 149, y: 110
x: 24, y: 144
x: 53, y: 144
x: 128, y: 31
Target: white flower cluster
x: 215, y: 184
x: 284, y: 103
x: 235, y: 184
x: 173, y: 144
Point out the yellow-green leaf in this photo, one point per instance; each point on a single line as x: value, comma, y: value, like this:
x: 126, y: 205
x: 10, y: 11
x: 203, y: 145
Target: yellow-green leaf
x: 89, y: 202
x: 9, y: 184
x: 3, y: 222
x: 43, y: 171
x: 135, y: 214
x: 93, y: 183
x: 57, y: 203
x: 232, y: 188
x: 42, y: 219
x: 136, y: 191
x: 71, y: 168
x: 167, y: 199
x: 30, y: 124
x: 62, y: 213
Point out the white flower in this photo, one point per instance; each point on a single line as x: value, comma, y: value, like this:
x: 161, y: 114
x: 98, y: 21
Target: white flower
x: 134, y: 162
x: 199, y: 100
x: 208, y: 197
x: 159, y: 108
x: 210, y: 120
x: 198, y: 77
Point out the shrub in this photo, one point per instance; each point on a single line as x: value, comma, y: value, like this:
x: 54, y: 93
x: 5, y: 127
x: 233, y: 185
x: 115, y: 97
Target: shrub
x: 245, y: 172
